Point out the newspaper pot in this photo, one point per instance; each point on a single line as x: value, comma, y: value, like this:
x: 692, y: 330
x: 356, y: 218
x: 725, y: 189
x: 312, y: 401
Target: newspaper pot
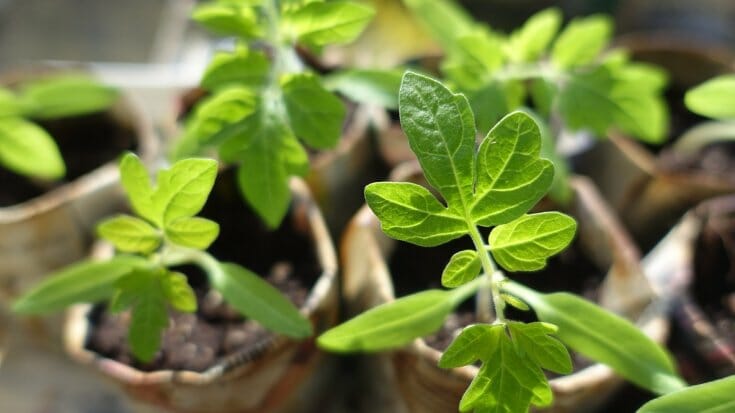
x: 421, y: 386
x: 275, y: 374
x: 701, y: 289
x: 44, y: 228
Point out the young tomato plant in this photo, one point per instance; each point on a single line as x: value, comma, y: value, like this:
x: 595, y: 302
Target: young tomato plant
x: 26, y: 148
x: 165, y: 233
x: 263, y: 97
x: 572, y: 80
x: 493, y: 186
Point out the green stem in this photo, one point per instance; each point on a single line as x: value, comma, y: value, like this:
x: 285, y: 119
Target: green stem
x: 488, y: 293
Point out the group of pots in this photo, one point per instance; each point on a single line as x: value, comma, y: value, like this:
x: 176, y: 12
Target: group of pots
x: 656, y: 243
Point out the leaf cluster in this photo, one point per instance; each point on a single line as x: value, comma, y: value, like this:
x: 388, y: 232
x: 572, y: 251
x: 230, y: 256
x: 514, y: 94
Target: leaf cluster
x: 25, y: 147
x: 166, y: 232
x: 264, y: 105
x: 565, y: 71
x: 493, y: 185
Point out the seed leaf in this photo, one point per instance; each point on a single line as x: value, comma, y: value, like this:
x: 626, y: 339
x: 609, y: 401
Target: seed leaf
x: 86, y: 281
x: 526, y: 243
x: 391, y: 325
x: 29, y: 150
x: 256, y: 298
x: 441, y: 132
x: 511, y: 178
x: 409, y: 212
x: 63, y: 96
x: 316, y: 115
x: 581, y: 41
x: 462, y: 268
x: 714, y: 98
x: 628, y: 351
x: 243, y: 67
x: 194, y: 232
x: 129, y: 234
x: 319, y: 24
x: 711, y: 397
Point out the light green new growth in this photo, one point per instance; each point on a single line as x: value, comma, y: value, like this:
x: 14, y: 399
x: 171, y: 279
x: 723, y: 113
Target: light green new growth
x: 495, y: 186
x: 26, y: 148
x: 164, y: 234
x: 265, y: 105
x: 573, y: 82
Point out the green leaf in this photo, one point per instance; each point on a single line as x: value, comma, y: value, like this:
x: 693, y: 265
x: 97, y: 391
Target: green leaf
x: 508, y: 381
x: 228, y: 19
x: 526, y: 243
x: 586, y: 101
x: 392, y: 324
x: 711, y: 397
x: 192, y: 232
x: 10, y: 105
x: 178, y: 292
x: 86, y: 281
x: 462, y: 268
x: 475, y: 342
x: 617, y: 95
x: 63, y: 96
x: 221, y: 116
x: 714, y: 98
x: 242, y: 67
x: 542, y: 93
x: 445, y: 20
x: 143, y: 290
x: 530, y: 41
x: 129, y: 234
x: 473, y: 59
x: 604, y: 337
x: 320, y: 24
x: 316, y: 115
x: 183, y: 189
x: 137, y: 184
x: 409, y: 212
x: 491, y: 102
x: 255, y: 298
x: 29, y: 150
x: 536, y: 342
x: 441, y: 132
x: 511, y: 178
x: 581, y: 41
x: 375, y: 87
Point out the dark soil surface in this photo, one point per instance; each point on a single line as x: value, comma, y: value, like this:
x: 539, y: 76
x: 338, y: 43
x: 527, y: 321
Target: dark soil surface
x: 195, y: 342
x: 85, y: 142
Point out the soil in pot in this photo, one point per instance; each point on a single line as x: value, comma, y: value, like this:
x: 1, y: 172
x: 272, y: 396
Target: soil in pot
x: 196, y: 341
x: 704, y: 327
x: 86, y: 143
